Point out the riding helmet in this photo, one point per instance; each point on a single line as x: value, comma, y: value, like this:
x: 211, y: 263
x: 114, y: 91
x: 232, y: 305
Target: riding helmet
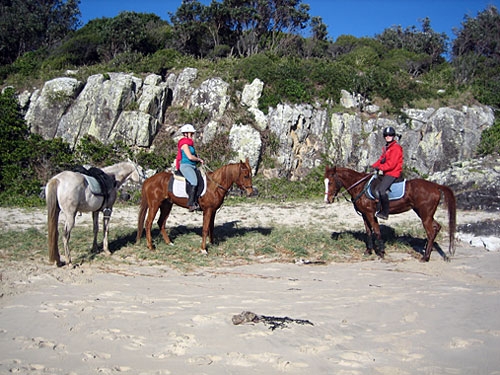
x: 188, y: 128
x: 389, y: 131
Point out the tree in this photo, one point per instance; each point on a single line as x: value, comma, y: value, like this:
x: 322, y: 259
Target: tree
x: 189, y: 27
x: 476, y: 55
x: 424, y: 42
x: 28, y: 25
x: 480, y: 35
x: 319, y: 29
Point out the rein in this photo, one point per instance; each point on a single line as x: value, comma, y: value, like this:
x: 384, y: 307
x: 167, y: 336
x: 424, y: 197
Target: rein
x: 353, y: 200
x: 217, y: 183
x: 204, y: 166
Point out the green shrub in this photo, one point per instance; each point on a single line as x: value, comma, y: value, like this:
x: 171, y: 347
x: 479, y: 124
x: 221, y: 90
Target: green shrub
x: 490, y: 140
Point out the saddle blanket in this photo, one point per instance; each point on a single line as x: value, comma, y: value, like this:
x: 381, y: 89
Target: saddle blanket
x: 396, y: 191
x: 94, y: 185
x: 179, y: 186
x: 99, y: 182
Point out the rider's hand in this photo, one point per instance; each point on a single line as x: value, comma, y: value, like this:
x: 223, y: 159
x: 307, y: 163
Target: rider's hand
x: 201, y: 160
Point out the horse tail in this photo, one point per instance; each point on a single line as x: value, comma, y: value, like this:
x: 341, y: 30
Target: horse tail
x: 449, y: 198
x: 52, y: 219
x: 143, y: 209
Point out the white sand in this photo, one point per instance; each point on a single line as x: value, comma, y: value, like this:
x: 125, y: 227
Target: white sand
x: 372, y: 317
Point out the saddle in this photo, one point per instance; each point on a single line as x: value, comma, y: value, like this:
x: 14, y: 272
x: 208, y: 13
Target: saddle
x: 396, y: 191
x: 99, y: 182
x: 177, y: 185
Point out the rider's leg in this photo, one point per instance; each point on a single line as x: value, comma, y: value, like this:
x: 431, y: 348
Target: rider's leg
x: 189, y: 173
x: 383, y: 212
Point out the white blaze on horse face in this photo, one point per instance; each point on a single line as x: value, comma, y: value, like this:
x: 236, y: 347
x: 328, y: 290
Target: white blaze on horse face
x: 326, y: 190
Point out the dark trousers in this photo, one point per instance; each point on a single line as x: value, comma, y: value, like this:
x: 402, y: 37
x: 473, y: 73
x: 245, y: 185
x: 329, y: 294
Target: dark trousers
x: 384, y: 185
x: 382, y: 192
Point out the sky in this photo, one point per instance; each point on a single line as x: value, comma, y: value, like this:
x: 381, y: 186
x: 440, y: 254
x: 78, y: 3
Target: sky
x: 359, y: 18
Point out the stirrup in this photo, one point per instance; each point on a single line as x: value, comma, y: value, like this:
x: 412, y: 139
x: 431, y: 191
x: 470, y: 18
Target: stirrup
x: 194, y: 207
x: 381, y: 215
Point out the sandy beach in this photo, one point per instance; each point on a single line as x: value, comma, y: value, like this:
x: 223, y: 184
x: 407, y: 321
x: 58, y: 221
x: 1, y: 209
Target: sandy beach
x: 396, y: 316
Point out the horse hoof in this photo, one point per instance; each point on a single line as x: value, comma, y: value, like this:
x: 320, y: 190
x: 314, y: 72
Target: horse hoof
x: 107, y: 252
x: 203, y: 252
x: 367, y: 252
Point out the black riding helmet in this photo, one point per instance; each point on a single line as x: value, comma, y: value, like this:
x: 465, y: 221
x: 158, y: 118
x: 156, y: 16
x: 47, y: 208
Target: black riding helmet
x: 389, y: 131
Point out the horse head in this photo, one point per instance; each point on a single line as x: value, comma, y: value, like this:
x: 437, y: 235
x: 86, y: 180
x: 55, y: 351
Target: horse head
x: 332, y: 184
x: 244, y: 180
x: 139, y: 174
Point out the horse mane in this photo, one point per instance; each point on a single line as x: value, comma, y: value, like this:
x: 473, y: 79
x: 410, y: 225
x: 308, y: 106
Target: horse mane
x: 220, y: 173
x: 117, y: 166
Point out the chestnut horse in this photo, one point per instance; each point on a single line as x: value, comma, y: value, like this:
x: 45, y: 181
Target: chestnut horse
x: 421, y: 195
x: 155, y: 195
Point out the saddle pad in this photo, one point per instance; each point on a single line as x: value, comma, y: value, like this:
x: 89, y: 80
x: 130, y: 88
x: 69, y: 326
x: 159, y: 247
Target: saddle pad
x: 94, y: 185
x: 179, y: 186
x: 396, y: 191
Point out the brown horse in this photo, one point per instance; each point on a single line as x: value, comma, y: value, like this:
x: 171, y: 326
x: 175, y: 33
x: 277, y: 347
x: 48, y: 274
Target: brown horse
x: 155, y: 195
x: 421, y: 195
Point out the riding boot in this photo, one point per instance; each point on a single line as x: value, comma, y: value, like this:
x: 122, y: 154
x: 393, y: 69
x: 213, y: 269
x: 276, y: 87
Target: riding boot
x: 384, y: 212
x: 191, y: 191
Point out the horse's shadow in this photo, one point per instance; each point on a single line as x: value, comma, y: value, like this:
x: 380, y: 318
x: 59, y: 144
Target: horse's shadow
x: 390, y: 237
x: 221, y: 233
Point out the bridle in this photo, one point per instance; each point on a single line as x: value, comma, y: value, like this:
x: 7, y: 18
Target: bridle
x: 339, y: 185
x: 245, y: 169
x: 222, y: 187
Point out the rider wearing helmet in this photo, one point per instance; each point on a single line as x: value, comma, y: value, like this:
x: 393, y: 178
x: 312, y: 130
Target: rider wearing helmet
x: 186, y: 161
x: 391, y: 164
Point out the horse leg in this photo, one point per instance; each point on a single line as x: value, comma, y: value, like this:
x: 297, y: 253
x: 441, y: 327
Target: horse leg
x: 165, y: 209
x: 379, y: 247
x: 105, y: 229
x: 68, y: 226
x: 153, y: 209
x: 95, y: 221
x: 207, y: 215
x: 369, y: 238
x: 432, y: 228
x: 53, y: 212
x: 211, y: 228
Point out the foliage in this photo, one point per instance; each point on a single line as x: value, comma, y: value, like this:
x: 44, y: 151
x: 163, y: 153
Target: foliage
x: 92, y: 151
x: 425, y: 42
x: 283, y: 189
x: 247, y: 26
x: 490, y: 140
x: 217, y: 152
x: 28, y: 25
x: 26, y: 160
x: 476, y: 55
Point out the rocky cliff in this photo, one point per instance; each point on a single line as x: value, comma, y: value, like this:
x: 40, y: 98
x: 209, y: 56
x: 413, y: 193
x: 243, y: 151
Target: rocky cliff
x: 119, y: 106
